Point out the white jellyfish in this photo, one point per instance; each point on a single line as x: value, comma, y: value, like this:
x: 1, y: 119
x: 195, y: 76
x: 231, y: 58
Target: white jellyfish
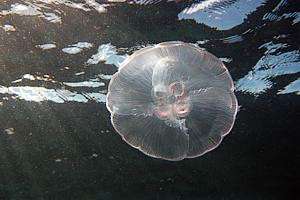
x: 172, y: 101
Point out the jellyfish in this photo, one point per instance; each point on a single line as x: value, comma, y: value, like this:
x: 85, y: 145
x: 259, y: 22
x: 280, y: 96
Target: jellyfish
x: 172, y: 101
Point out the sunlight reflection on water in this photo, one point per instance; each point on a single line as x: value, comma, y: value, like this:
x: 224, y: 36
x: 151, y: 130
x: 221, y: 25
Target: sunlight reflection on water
x: 107, y: 53
x: 40, y: 94
x: 275, y: 62
x: 220, y: 14
x: 293, y: 87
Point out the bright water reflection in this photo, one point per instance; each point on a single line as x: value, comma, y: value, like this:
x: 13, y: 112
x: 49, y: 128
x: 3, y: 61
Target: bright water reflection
x: 274, y: 63
x: 108, y: 54
x: 40, y: 94
x: 220, y: 14
x: 293, y: 87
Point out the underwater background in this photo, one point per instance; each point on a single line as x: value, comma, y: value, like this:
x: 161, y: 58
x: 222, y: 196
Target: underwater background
x: 57, y: 58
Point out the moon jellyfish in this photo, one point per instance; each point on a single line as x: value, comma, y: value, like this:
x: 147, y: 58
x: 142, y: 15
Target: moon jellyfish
x: 172, y: 101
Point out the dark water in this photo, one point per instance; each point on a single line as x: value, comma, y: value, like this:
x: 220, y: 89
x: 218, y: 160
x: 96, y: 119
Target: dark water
x: 56, y: 139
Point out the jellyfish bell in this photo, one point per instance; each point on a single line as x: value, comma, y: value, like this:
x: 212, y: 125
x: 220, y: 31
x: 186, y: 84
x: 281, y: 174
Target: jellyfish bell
x: 172, y: 101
